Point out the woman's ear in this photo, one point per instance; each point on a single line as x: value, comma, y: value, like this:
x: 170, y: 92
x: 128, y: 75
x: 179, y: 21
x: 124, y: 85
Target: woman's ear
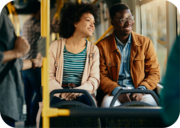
x: 112, y: 22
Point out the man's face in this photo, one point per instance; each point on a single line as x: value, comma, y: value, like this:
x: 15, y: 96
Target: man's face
x: 123, y: 22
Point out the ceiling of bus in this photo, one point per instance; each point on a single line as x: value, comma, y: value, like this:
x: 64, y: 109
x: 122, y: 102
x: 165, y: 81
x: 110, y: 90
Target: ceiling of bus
x: 24, y: 8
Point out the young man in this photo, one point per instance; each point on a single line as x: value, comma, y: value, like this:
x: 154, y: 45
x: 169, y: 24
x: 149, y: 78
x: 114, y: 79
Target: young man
x: 32, y: 78
x: 127, y: 60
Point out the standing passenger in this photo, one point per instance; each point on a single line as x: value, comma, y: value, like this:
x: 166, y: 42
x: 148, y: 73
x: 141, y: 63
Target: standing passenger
x: 75, y: 67
x: 32, y: 77
x: 127, y: 60
x: 12, y: 102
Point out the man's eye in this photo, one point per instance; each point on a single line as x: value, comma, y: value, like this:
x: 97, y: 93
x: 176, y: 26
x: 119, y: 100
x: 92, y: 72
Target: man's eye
x: 123, y: 20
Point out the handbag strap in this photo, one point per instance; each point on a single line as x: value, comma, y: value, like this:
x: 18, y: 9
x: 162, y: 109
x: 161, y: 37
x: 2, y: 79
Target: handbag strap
x: 4, y: 73
x: 91, y: 55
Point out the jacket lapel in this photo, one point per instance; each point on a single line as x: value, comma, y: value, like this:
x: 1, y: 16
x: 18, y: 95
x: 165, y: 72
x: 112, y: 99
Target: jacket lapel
x: 115, y: 50
x: 114, y: 46
x: 134, y: 48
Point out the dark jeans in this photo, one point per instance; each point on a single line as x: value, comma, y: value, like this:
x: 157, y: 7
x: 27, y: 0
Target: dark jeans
x: 8, y: 121
x: 32, y: 88
x: 83, y: 99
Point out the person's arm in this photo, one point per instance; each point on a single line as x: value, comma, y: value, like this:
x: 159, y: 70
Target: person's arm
x: 21, y: 47
x: 9, y: 55
x: 152, y: 70
x: 37, y: 62
x: 54, y: 27
x: 93, y: 81
x: 27, y: 64
x: 106, y: 84
x: 170, y: 94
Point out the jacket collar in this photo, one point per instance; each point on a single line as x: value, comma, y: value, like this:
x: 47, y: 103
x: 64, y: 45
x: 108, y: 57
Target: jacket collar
x: 134, y: 42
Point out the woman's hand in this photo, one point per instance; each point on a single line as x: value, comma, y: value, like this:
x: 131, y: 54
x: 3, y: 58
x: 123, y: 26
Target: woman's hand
x: 70, y: 96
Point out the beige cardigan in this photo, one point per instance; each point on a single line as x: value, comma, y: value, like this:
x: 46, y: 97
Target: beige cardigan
x: 90, y: 79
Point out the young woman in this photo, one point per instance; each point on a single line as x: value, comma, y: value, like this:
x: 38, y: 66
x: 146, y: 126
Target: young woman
x: 71, y: 54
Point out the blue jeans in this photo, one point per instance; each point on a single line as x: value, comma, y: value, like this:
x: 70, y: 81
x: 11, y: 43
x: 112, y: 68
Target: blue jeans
x: 32, y: 88
x: 83, y: 99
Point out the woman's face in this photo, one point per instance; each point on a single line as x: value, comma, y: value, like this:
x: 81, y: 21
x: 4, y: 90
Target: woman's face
x: 85, y: 25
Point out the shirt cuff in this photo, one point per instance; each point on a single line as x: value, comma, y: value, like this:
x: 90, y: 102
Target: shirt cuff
x: 1, y: 57
x: 142, y: 87
x: 115, y: 91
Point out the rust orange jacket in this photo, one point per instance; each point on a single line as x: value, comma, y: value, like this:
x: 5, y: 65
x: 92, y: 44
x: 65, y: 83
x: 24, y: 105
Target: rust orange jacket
x: 144, y: 65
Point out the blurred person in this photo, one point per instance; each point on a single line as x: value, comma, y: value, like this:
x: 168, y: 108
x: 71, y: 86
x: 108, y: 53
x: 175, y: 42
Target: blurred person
x: 32, y: 78
x: 12, y: 102
x: 78, y: 61
x: 170, y: 94
x: 127, y: 60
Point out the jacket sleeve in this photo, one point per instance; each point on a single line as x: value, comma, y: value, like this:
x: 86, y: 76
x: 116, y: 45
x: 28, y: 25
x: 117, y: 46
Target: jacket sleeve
x: 53, y: 83
x: 93, y: 81
x: 152, y: 70
x: 106, y: 84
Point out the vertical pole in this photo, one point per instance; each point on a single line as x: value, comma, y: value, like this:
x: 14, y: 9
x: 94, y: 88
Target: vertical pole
x: 79, y: 1
x: 45, y: 31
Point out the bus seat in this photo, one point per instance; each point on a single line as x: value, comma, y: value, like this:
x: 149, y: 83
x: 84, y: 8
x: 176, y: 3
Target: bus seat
x: 68, y: 121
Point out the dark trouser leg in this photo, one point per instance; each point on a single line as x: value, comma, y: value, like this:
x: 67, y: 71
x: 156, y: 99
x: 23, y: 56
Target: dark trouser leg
x: 56, y: 100
x: 32, y: 82
x: 84, y: 99
x: 28, y: 91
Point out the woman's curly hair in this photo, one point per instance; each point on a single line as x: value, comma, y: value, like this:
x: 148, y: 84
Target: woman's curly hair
x: 71, y: 13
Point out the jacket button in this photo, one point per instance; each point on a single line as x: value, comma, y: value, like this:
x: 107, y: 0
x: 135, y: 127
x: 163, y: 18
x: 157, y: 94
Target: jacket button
x: 109, y: 64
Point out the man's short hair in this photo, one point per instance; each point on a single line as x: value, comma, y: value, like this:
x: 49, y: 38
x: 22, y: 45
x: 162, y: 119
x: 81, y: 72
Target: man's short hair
x: 116, y: 8
x: 35, y: 6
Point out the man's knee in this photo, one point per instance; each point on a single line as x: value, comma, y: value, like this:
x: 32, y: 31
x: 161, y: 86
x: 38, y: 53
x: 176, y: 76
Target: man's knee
x: 149, y: 99
x: 107, y: 101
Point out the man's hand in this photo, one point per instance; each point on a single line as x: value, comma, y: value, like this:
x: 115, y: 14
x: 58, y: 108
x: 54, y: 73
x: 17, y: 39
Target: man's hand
x: 21, y: 47
x: 123, y: 98
x: 38, y: 61
x: 136, y: 96
x: 55, y: 25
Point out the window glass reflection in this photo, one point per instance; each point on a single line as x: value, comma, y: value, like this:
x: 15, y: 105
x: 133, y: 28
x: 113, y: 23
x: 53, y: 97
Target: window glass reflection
x: 153, y: 19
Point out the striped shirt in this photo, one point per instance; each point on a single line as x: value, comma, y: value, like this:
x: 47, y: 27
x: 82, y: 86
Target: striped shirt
x: 73, y: 66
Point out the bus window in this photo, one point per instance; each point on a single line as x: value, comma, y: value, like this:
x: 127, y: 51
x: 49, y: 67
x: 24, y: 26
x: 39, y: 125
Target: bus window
x: 178, y: 22
x: 153, y: 19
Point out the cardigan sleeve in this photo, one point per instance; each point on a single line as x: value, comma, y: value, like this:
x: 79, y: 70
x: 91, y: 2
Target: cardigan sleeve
x: 53, y: 83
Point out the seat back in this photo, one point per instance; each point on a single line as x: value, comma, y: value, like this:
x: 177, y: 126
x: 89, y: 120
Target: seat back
x: 64, y: 121
x: 135, y: 120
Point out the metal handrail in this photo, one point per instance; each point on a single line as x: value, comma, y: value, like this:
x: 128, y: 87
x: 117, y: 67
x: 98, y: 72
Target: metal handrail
x: 12, y: 11
x: 104, y: 34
